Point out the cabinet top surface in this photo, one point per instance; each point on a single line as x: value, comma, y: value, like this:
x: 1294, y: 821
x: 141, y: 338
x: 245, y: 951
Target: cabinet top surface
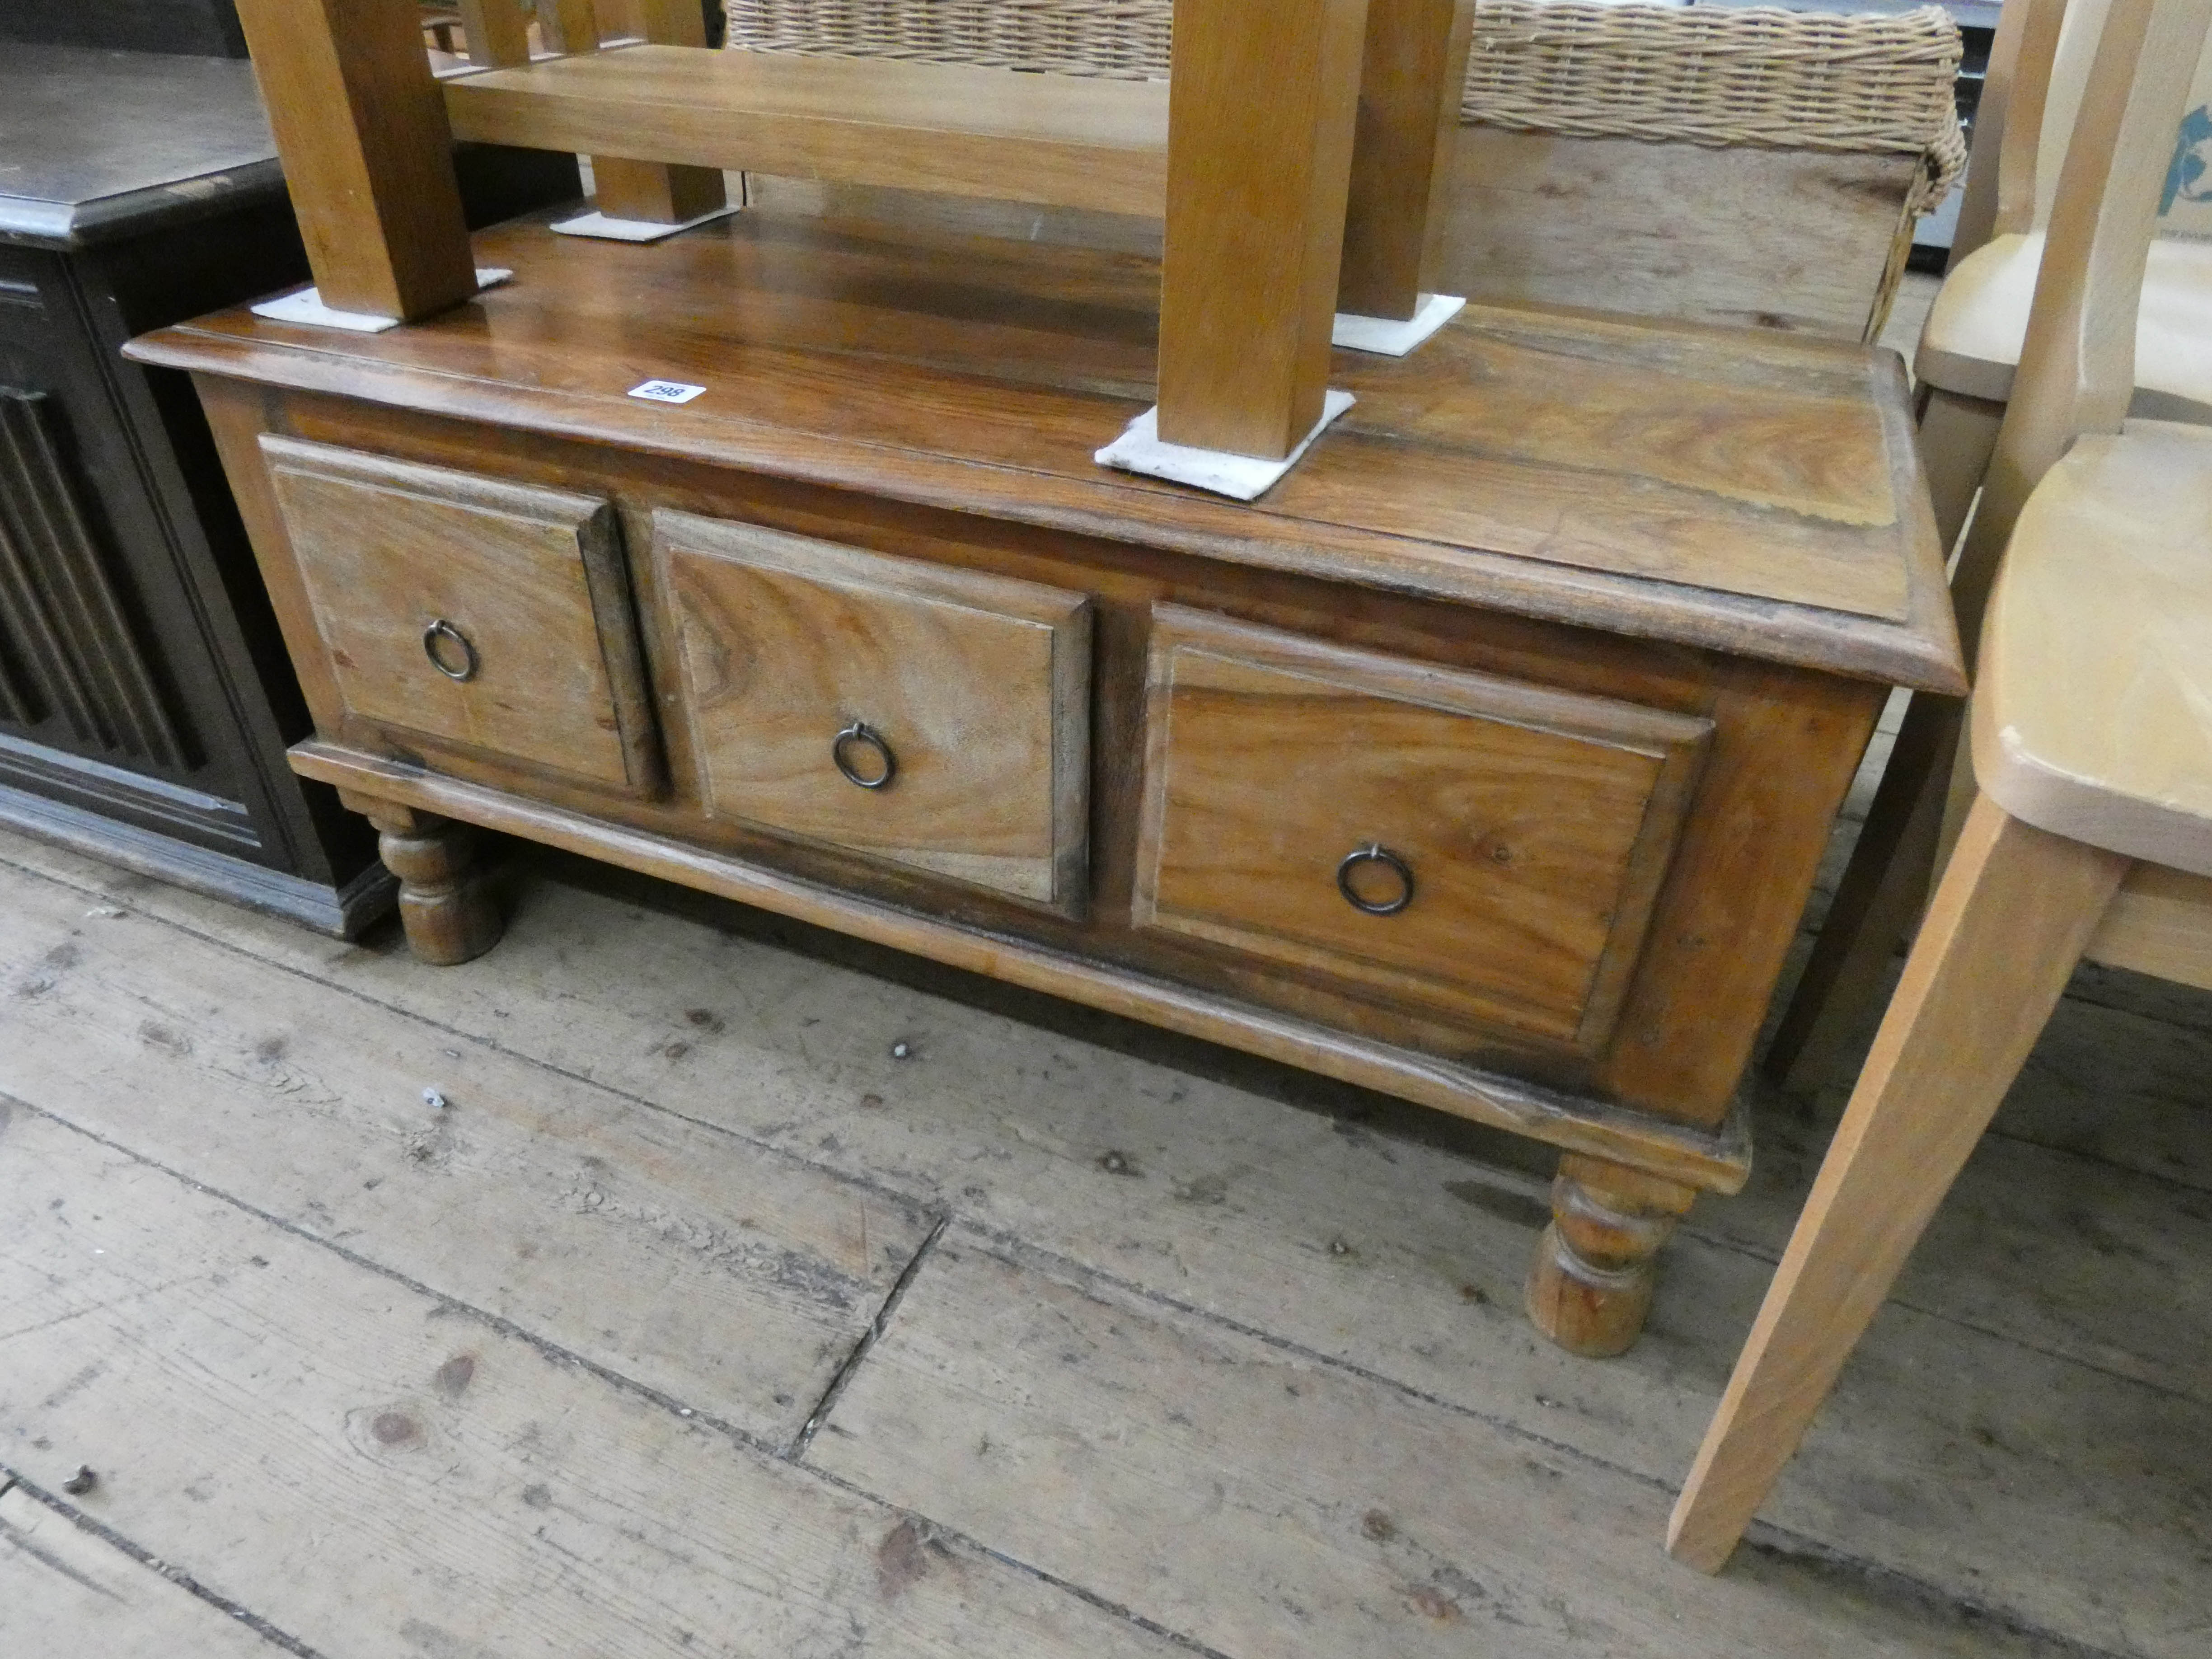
x: 100, y: 143
x: 1743, y: 491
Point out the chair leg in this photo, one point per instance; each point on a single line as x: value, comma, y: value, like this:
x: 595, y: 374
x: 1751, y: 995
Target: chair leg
x: 2015, y: 907
x: 1887, y: 882
x: 1881, y: 893
x: 1958, y: 436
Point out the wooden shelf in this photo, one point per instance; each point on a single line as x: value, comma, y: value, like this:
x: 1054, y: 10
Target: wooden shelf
x: 1056, y: 140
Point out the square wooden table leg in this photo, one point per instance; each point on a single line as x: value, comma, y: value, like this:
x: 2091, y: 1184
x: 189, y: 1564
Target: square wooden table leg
x: 658, y: 193
x: 1412, y: 80
x: 1260, y: 133
x: 378, y: 206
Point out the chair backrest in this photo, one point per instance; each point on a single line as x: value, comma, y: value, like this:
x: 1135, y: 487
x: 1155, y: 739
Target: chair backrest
x: 2038, y: 74
x: 2077, y: 366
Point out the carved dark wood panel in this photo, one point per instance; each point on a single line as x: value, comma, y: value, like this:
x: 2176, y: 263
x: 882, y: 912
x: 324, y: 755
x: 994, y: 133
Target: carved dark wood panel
x: 67, y: 642
x: 17, y: 706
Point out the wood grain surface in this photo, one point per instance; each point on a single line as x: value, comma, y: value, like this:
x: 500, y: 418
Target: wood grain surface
x: 1716, y: 1159
x: 1400, y: 198
x: 1746, y: 491
x: 1536, y: 825
x: 378, y: 203
x: 1045, y: 138
x: 450, y: 1481
x: 498, y: 32
x: 58, y: 1579
x: 1784, y: 745
x: 632, y: 1238
x: 2160, y: 922
x: 1786, y: 241
x: 531, y: 579
x: 1260, y: 142
x: 1958, y: 1498
x: 2001, y: 937
x: 1783, y: 240
x: 978, y: 685
x: 2093, y: 715
x: 655, y: 192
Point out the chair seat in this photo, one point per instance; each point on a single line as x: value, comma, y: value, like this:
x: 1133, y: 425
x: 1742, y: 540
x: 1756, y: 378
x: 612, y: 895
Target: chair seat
x: 2093, y: 708
x: 1971, y: 342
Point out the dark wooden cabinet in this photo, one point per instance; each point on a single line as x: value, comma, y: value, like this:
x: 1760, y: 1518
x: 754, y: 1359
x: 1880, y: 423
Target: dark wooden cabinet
x: 145, y: 697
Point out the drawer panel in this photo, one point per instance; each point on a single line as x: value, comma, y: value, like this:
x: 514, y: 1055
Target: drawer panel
x: 490, y: 615
x: 1506, y: 840
x: 972, y: 690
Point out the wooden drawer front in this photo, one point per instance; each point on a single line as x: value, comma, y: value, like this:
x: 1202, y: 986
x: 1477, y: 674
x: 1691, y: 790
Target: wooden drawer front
x: 528, y: 582
x: 1536, y: 824
x: 979, y: 686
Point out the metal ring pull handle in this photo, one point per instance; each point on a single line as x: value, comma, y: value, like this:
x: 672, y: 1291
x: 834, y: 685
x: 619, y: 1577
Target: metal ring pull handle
x: 442, y: 630
x: 1374, y: 853
x: 861, y: 735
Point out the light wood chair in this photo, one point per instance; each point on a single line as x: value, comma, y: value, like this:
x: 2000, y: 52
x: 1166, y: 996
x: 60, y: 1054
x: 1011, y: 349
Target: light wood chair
x: 2090, y: 828
x: 2039, y: 67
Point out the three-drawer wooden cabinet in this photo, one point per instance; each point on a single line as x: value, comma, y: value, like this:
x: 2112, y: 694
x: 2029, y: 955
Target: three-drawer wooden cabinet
x: 1487, y: 760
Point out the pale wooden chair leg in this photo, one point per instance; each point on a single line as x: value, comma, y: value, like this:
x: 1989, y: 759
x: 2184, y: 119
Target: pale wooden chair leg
x: 655, y: 192
x: 1883, y: 889
x: 1411, y: 80
x: 447, y: 912
x: 1958, y: 436
x: 1260, y: 131
x: 1597, y: 1263
x: 378, y: 203
x: 1900, y: 847
x: 1957, y: 801
x: 2004, y: 934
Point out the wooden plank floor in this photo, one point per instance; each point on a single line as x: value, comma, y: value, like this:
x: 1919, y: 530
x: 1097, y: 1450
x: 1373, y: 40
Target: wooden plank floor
x: 694, y: 1321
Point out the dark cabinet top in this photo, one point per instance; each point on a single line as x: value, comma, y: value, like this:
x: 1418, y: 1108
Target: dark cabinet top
x: 95, y: 145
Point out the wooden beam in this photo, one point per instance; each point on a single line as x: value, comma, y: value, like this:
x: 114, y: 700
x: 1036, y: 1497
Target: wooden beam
x: 1411, y: 81
x: 658, y: 194
x: 569, y: 26
x: 1260, y: 137
x: 367, y: 154
x: 497, y: 32
x: 1052, y: 139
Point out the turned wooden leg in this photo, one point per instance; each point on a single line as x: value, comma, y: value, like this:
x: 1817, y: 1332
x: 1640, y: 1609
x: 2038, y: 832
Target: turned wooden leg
x: 449, y: 917
x: 2008, y: 922
x: 1597, y: 1263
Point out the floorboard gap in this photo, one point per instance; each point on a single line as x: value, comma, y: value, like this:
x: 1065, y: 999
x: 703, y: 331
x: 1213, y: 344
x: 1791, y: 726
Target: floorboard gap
x: 500, y: 1322
x: 869, y: 1338
x: 1030, y: 1570
x: 1764, y: 1535
x: 145, y: 1557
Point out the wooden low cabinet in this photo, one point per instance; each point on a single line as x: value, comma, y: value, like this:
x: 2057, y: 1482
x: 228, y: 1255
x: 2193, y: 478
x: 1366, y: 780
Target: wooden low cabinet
x: 469, y: 610
x: 1483, y: 847
x: 938, y: 719
x: 1487, y: 760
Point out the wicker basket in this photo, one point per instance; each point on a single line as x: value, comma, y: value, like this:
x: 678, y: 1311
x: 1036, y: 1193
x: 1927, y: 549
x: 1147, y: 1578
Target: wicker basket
x: 1583, y: 69
x: 1702, y: 75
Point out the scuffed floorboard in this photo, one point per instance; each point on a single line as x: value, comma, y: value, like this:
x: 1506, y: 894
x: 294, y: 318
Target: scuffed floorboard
x: 681, y: 1203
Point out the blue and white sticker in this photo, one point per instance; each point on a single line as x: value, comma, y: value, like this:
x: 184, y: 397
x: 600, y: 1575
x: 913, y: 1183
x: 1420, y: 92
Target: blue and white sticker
x: 667, y: 392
